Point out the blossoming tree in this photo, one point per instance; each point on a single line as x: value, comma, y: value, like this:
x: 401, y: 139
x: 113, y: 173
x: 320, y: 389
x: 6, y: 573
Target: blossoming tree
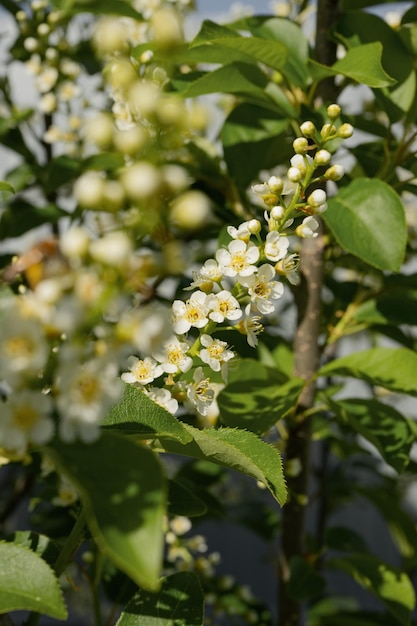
x: 177, y: 305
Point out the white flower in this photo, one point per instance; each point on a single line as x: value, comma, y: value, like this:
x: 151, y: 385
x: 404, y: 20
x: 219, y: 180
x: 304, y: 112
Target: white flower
x: 193, y: 312
x: 307, y: 228
x: 238, y: 259
x: 215, y: 353
x: 223, y: 306
x: 25, y: 419
x: 67, y: 493
x: 174, y: 357
x: 245, y: 230
x: 262, y: 288
x: 276, y: 246
x: 201, y: 393
x: 163, y: 398
x: 288, y: 267
x: 146, y: 327
x: 85, y: 393
x: 317, y: 200
x: 251, y: 326
x: 46, y: 80
x: 142, y: 371
x: 207, y: 275
x: 23, y: 348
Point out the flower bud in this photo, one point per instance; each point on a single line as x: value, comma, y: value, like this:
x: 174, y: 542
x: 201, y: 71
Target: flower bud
x: 109, y: 36
x: 143, y: 97
x: 167, y: 27
x: 130, y: 141
x: 345, y: 131
x: 254, y: 226
x: 322, y: 157
x: 113, y: 249
x: 277, y: 212
x: 333, y: 111
x: 74, y: 242
x: 300, y: 145
x: 190, y: 210
x: 317, y: 198
x: 308, y: 129
x: 140, y: 180
x: 99, y: 130
x: 327, y: 130
x: 120, y: 74
x: 275, y: 185
x: 295, y: 175
x: 88, y: 190
x: 113, y: 196
x: 335, y: 172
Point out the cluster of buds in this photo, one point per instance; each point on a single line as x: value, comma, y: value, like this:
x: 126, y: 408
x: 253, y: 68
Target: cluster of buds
x: 49, y: 59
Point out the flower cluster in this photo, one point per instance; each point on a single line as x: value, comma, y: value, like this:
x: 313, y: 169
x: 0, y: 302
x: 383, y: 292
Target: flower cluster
x: 244, y: 280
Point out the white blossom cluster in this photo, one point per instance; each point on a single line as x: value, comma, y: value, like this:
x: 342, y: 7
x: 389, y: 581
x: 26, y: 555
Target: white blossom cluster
x: 242, y: 283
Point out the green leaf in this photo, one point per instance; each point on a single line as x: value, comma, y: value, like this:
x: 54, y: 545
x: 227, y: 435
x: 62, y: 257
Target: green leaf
x: 179, y: 602
x: 382, y: 425
x: 257, y: 133
x: 103, y: 161
x: 395, y: 306
x: 367, y: 219
x: 344, y: 539
x: 392, y: 368
x: 28, y: 583
x: 61, y: 170
x: 256, y: 49
x: 182, y: 501
x: 6, y: 187
x: 232, y: 78
x: 292, y: 37
x: 389, y: 584
x: 361, y: 64
x: 237, y: 449
x: 254, y: 398
x: 401, y: 526
x: 123, y: 491
x: 109, y: 7
x: 40, y: 544
x: 21, y: 216
x: 136, y: 414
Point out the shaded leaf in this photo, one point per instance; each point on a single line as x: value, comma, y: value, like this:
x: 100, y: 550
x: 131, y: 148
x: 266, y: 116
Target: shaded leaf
x: 256, y: 398
x: 382, y: 425
x: 389, y: 584
x: 305, y: 582
x: 392, y: 368
x: 123, y: 490
x: 179, y: 602
x: 6, y: 187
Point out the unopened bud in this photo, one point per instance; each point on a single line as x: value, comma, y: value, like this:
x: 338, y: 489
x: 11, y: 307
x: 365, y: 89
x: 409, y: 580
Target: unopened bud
x: 141, y: 180
x: 300, y: 145
x: 335, y: 172
x: 130, y: 141
x: 345, y: 131
x: 277, y: 212
x: 295, y: 175
x: 167, y: 27
x: 308, y: 129
x: 333, y: 111
x: 327, y: 130
x: 190, y: 210
x: 322, y: 157
x: 254, y: 226
x: 88, y: 190
x: 99, y: 130
x: 275, y: 185
x: 317, y: 198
